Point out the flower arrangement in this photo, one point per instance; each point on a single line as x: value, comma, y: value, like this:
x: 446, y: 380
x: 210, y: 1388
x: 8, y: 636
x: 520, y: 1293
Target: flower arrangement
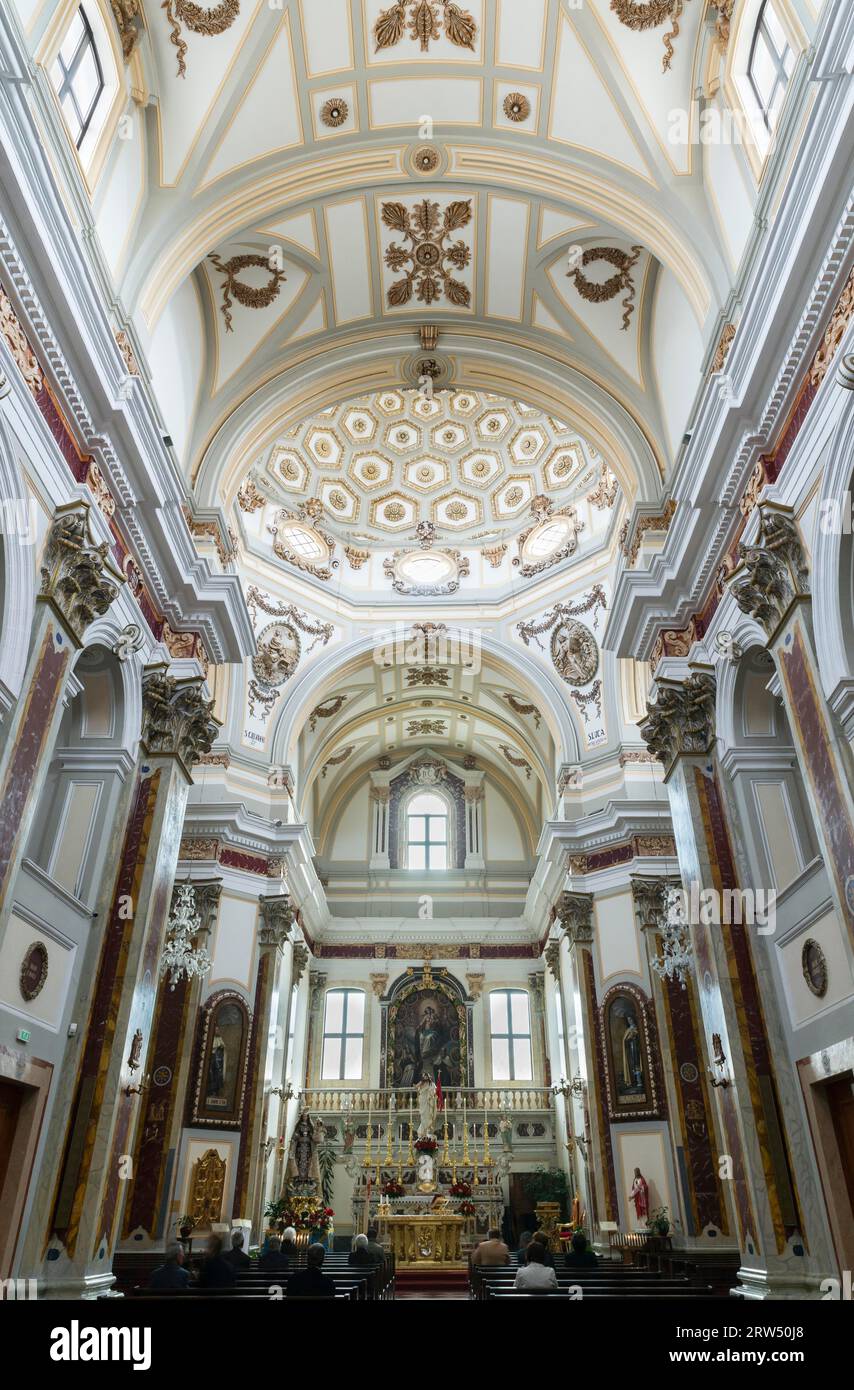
x: 658, y: 1222
x: 316, y: 1219
x: 460, y: 1189
x: 186, y: 1225
x: 467, y: 1208
x: 427, y: 1145
x: 393, y: 1189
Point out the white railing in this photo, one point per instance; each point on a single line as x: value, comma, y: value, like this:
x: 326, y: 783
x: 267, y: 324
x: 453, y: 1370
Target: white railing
x: 493, y: 1099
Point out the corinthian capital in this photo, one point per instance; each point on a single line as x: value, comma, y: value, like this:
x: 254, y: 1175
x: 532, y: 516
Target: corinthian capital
x: 277, y: 918
x: 650, y: 899
x: 551, y: 955
x: 176, y: 718
x: 574, y: 911
x: 681, y: 719
x: 773, y: 571
x: 301, y: 958
x: 77, y: 575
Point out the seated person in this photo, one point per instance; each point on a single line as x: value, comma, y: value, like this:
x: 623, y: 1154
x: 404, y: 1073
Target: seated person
x: 171, y: 1277
x: 581, y: 1256
x: 542, y: 1239
x: 274, y: 1258
x: 524, y: 1241
x: 374, y: 1245
x: 289, y: 1243
x: 491, y: 1252
x: 237, y: 1256
x: 361, y: 1253
x: 535, y: 1277
x: 216, y: 1272
x: 311, y: 1282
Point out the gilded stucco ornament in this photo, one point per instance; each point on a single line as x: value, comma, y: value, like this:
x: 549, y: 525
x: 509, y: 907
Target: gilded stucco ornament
x: 334, y: 112
x: 129, y: 20
x: 205, y: 22
x: 422, y: 18
x: 638, y: 17
x: 600, y: 291
x: 429, y: 261
x: 773, y: 571
x: 176, y: 718
x: 573, y: 648
x: 681, y: 719
x: 77, y: 575
x: 517, y: 107
x: 250, y: 296
x: 574, y: 913
x: 276, y: 918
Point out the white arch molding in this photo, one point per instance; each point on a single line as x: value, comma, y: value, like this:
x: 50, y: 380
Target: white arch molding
x: 307, y: 689
x: 17, y: 558
x: 833, y: 565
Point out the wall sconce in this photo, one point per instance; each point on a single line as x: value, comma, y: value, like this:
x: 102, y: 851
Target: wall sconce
x: 139, y: 1089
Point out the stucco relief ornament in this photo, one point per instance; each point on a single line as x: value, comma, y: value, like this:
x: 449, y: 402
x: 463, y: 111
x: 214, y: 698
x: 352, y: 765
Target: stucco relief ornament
x: 307, y: 517
x: 574, y: 650
x: 249, y: 499
x: 600, y: 291
x: 429, y: 261
x: 176, y: 718
x: 250, y: 296
x: 205, y: 22
x: 77, y: 576
x: 516, y: 760
x: 681, y: 719
x: 421, y: 17
x: 429, y: 772
x: 126, y: 14
x: 773, y: 572
x: 648, y: 16
x: 542, y: 511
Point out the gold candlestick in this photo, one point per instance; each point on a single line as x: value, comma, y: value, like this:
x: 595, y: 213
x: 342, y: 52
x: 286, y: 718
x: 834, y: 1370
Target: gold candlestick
x: 446, y: 1157
x: 368, y: 1160
x: 466, y: 1159
x: 411, y: 1154
x: 487, y: 1157
x: 389, y: 1157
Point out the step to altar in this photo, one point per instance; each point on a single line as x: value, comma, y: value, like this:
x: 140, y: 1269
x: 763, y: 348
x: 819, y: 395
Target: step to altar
x: 412, y: 1282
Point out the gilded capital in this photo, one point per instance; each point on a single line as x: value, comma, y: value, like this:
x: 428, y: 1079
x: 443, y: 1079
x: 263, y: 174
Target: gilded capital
x: 176, y: 718
x: 77, y: 576
x: 681, y: 719
x: 276, y: 920
x: 574, y: 912
x: 207, y: 902
x: 773, y: 571
x: 650, y: 899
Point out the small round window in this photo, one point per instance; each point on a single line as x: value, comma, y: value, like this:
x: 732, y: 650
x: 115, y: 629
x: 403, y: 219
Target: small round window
x: 548, y: 538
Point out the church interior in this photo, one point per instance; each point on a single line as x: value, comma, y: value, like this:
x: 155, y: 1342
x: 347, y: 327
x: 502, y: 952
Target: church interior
x: 427, y: 646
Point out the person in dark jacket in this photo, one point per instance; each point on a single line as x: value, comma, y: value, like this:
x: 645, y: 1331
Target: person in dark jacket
x: 580, y: 1257
x: 216, y: 1272
x: 274, y: 1258
x: 542, y: 1239
x: 311, y: 1282
x: 171, y: 1277
x: 237, y: 1256
x: 374, y: 1246
x: 289, y: 1244
x: 361, y: 1255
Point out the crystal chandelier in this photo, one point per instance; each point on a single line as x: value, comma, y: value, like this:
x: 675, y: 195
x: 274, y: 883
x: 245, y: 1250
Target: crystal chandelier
x: 180, y: 956
x: 675, y: 960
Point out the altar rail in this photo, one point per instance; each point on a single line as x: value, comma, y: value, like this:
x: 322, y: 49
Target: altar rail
x: 492, y: 1099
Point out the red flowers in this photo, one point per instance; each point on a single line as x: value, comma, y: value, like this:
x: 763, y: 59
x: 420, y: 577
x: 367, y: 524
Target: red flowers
x: 393, y: 1189
x: 426, y: 1145
x: 467, y: 1208
x: 460, y: 1189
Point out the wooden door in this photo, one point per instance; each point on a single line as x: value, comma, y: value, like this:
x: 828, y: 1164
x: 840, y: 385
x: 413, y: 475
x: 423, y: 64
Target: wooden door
x: 840, y: 1098
x: 10, y: 1106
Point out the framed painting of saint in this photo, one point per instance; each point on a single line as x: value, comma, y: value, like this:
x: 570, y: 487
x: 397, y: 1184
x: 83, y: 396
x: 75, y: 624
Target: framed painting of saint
x: 630, y: 1051
x: 222, y: 1054
x: 426, y: 1033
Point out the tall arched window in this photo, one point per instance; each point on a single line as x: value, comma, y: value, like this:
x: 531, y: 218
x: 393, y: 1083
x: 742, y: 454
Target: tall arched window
x: 427, y: 832
x: 510, y: 1029
x: 770, y: 64
x: 78, y: 77
x: 343, y: 1035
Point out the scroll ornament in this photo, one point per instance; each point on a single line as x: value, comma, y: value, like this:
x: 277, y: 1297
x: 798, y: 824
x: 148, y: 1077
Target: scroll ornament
x: 250, y: 296
x: 198, y: 20
x: 429, y: 261
x: 599, y: 292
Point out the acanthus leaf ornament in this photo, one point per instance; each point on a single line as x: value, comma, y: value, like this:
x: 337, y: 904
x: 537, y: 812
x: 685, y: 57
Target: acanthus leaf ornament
x: 205, y: 22
x: 77, y: 575
x: 250, y: 296
x: 773, y: 572
x: 176, y: 718
x: 421, y: 17
x: 681, y: 719
x: 599, y: 292
x: 638, y: 17
x: 430, y: 259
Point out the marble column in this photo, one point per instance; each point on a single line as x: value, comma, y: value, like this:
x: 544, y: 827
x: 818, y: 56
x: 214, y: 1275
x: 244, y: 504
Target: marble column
x: 289, y: 1106
x: 96, y: 1159
x: 474, y: 797
x: 78, y: 585
x: 771, y: 584
x: 689, y: 1106
x: 574, y: 915
x: 316, y: 987
x: 379, y: 828
x: 778, y: 1256
x: 147, y: 1206
x: 275, y: 923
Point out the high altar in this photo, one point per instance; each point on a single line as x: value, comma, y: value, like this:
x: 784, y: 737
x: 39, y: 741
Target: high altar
x: 426, y: 1241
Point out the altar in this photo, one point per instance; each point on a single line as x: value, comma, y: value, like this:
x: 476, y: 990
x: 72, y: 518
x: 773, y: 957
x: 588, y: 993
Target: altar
x: 430, y: 1240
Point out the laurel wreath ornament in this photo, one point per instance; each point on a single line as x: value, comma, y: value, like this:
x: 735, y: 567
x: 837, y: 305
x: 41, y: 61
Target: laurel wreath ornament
x: 250, y: 296
x: 648, y: 16
x: 208, y: 23
x: 599, y: 292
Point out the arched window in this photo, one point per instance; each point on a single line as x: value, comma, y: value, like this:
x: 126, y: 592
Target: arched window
x: 343, y: 1035
x: 427, y: 832
x: 770, y: 64
x: 78, y: 77
x: 510, y: 1029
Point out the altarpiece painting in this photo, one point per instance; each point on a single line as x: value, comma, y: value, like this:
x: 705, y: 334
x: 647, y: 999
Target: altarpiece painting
x: 426, y: 1032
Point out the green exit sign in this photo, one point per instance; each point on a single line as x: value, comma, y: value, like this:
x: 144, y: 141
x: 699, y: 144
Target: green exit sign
x: 23, y: 1035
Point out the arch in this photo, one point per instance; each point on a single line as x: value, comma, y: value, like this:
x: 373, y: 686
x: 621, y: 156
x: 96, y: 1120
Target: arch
x: 833, y: 565
x: 307, y: 688
x: 323, y: 375
x: 17, y: 571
